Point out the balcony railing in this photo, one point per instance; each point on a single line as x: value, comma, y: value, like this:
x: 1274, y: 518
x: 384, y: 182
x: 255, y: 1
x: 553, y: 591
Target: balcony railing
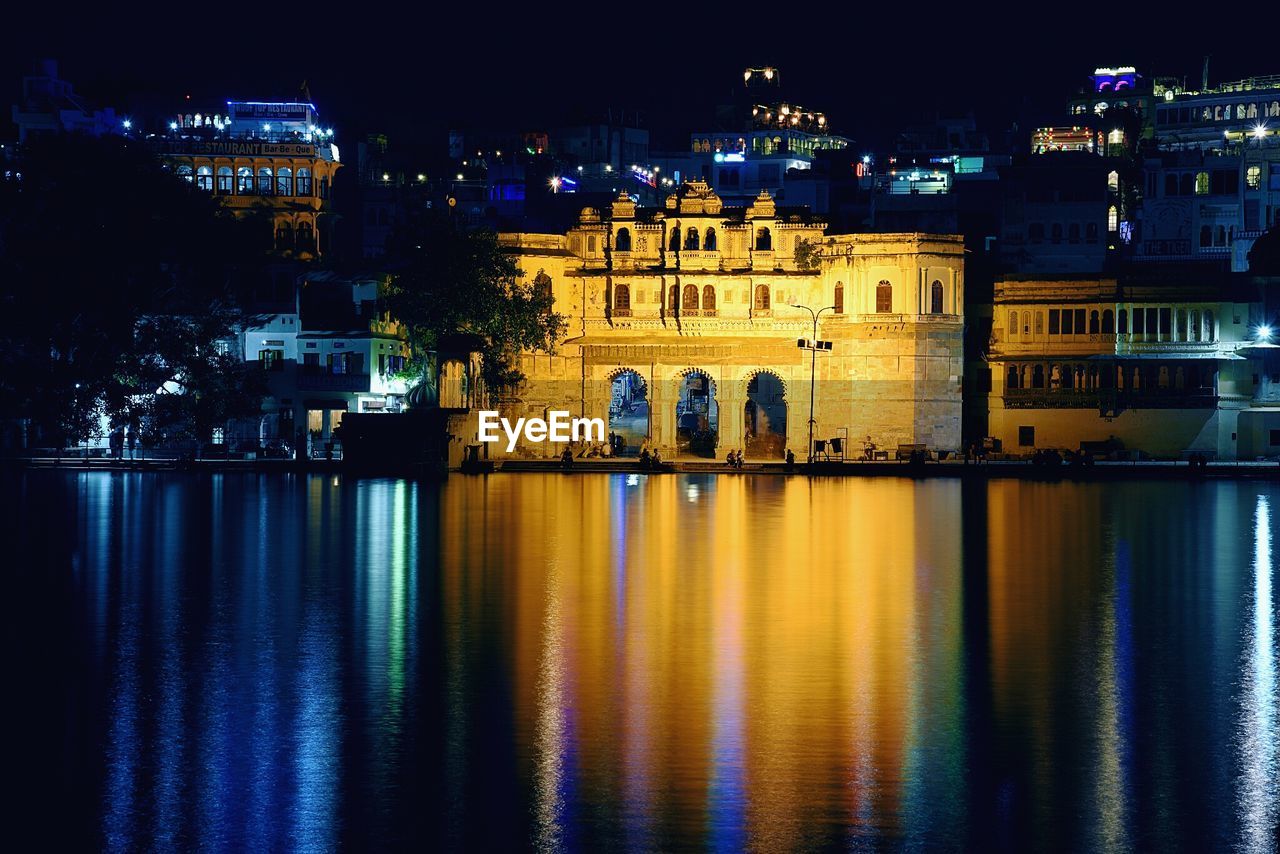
x: 1110, y: 399
x: 308, y: 381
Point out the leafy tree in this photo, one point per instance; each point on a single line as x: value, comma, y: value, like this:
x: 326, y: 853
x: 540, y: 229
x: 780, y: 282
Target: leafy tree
x: 449, y: 280
x: 1264, y: 256
x: 808, y: 254
x: 118, y: 277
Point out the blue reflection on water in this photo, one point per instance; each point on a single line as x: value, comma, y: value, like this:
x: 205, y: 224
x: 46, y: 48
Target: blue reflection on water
x: 1259, y: 742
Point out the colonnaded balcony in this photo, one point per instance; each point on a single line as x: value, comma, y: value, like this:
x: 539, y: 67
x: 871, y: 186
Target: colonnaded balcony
x: 1111, y: 386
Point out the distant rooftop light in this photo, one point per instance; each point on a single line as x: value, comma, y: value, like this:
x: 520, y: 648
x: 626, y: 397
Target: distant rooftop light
x: 127, y: 124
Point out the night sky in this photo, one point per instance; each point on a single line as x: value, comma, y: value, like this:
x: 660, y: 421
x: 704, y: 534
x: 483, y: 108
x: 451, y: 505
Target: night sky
x: 414, y: 77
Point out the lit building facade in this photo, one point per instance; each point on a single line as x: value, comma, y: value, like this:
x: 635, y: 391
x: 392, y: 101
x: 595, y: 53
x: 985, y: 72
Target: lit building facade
x: 50, y: 105
x: 268, y: 158
x: 763, y: 144
x: 1161, y: 369
x: 683, y: 335
x: 337, y: 351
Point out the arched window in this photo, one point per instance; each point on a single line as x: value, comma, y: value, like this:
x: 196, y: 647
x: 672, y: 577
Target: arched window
x: 709, y: 242
x: 264, y: 180
x: 935, y: 296
x: 1113, y: 181
x: 1202, y: 183
x: 244, y: 180
x: 1012, y: 381
x: 1195, y: 326
x: 1180, y: 325
x: 226, y: 180
x: 304, y: 181
x: 1209, y: 331
x: 691, y: 239
x: 622, y: 241
x: 284, y: 181
x: 1093, y: 322
x: 306, y: 237
x: 1108, y: 322
x: 838, y: 302
x: 1039, y: 322
x: 708, y: 298
x: 1113, y: 219
x: 690, y: 301
x: 1221, y: 238
x: 1037, y: 376
x: 1170, y: 184
x: 761, y: 298
x: 1186, y: 184
x: 764, y: 240
x: 1013, y: 324
x: 1123, y: 325
x: 621, y: 299
x: 675, y: 239
x: 204, y: 178
x: 673, y: 298
x: 884, y: 297
x: 184, y: 172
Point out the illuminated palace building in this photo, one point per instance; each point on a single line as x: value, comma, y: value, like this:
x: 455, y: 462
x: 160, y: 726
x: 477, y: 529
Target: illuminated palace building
x: 268, y: 158
x: 1151, y: 366
x: 684, y: 329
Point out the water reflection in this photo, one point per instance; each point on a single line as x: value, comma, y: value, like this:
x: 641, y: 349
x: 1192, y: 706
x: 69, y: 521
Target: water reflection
x: 572, y: 661
x: 1259, y: 740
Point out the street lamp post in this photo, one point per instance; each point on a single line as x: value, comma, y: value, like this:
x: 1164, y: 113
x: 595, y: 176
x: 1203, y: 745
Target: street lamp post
x: 813, y: 347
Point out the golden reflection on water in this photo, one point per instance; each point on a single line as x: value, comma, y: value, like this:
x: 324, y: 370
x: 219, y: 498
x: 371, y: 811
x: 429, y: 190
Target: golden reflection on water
x: 721, y: 656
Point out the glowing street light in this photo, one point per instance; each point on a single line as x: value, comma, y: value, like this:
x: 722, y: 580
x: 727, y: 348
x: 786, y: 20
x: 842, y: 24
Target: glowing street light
x: 813, y: 346
x: 1264, y: 332
x: 127, y: 124
x: 173, y: 125
x: 1259, y: 132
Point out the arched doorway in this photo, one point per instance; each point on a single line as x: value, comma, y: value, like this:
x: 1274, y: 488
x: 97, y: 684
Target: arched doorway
x: 765, y: 417
x: 628, y: 413
x: 697, y: 416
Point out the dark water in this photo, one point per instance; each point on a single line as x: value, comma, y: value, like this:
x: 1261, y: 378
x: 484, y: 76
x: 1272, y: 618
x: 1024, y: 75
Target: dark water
x: 585, y: 661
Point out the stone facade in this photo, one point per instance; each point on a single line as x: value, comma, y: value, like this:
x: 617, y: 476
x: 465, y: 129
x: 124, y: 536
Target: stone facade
x: 701, y: 290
